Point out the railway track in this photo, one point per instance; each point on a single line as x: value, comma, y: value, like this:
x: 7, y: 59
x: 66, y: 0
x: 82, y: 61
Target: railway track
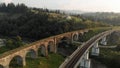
x: 79, y: 54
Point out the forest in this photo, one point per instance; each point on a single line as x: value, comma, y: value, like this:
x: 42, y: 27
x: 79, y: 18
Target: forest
x: 37, y: 23
x: 19, y: 21
x: 106, y: 17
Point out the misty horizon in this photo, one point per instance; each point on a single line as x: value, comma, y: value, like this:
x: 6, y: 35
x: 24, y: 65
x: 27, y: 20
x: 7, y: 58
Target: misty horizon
x: 81, y: 5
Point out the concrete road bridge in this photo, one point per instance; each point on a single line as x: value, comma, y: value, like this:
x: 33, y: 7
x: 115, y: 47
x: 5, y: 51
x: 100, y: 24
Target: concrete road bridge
x: 80, y: 56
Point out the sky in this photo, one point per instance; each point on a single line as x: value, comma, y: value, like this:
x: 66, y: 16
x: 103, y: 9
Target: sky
x: 83, y: 5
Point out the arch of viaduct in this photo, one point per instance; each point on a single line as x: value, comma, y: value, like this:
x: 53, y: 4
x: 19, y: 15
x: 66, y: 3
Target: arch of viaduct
x: 46, y: 45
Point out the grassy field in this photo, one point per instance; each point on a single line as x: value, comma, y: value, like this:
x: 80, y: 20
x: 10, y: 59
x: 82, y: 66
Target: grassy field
x: 53, y: 61
x: 116, y: 27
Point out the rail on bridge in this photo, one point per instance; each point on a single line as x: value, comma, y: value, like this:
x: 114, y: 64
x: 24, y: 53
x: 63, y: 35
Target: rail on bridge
x: 80, y: 57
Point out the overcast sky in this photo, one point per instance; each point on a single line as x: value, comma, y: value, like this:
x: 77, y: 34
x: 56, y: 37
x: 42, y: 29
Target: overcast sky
x: 83, y: 5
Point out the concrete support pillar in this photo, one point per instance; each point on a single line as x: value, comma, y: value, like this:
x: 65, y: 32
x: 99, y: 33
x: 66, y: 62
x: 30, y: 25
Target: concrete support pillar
x: 103, y: 41
x: 86, y: 56
x: 85, y: 62
x: 82, y: 63
x: 95, y: 50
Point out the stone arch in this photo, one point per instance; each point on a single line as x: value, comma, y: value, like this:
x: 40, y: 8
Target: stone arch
x: 31, y: 53
x: 75, y: 37
x: 51, y: 46
x: 42, y: 50
x: 16, y: 61
x: 63, y: 41
x: 88, y: 31
x: 1, y: 66
x: 80, y: 38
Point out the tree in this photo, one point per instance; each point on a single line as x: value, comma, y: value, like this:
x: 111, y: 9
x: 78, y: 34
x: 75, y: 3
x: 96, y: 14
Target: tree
x: 9, y: 44
x: 11, y: 8
x: 3, y: 7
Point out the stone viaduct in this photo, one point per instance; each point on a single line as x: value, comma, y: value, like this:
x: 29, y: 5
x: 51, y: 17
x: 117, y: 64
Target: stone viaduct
x: 45, y: 45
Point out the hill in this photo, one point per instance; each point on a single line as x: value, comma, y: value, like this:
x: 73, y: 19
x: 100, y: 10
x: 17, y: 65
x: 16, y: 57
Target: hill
x: 37, y: 23
x: 106, y: 17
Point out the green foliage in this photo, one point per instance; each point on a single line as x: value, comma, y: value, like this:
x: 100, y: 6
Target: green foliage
x: 14, y: 43
x: 4, y: 49
x: 53, y: 61
x: 18, y: 38
x: 11, y: 8
x: 114, y: 38
x: 39, y: 23
x: 106, y: 17
x: 110, y: 57
x: 9, y: 44
x: 91, y: 33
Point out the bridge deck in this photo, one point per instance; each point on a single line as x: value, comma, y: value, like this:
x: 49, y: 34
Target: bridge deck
x: 71, y: 63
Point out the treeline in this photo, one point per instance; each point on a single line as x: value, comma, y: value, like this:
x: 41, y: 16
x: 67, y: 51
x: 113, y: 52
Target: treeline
x: 40, y: 23
x: 106, y: 17
x: 11, y: 8
x: 22, y: 8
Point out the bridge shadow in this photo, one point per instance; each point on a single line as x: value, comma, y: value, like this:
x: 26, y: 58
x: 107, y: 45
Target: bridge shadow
x: 65, y: 47
x: 41, y: 51
x: 51, y: 47
x: 31, y: 54
x: 17, y: 61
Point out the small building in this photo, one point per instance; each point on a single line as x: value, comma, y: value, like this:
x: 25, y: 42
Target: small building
x: 68, y: 17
